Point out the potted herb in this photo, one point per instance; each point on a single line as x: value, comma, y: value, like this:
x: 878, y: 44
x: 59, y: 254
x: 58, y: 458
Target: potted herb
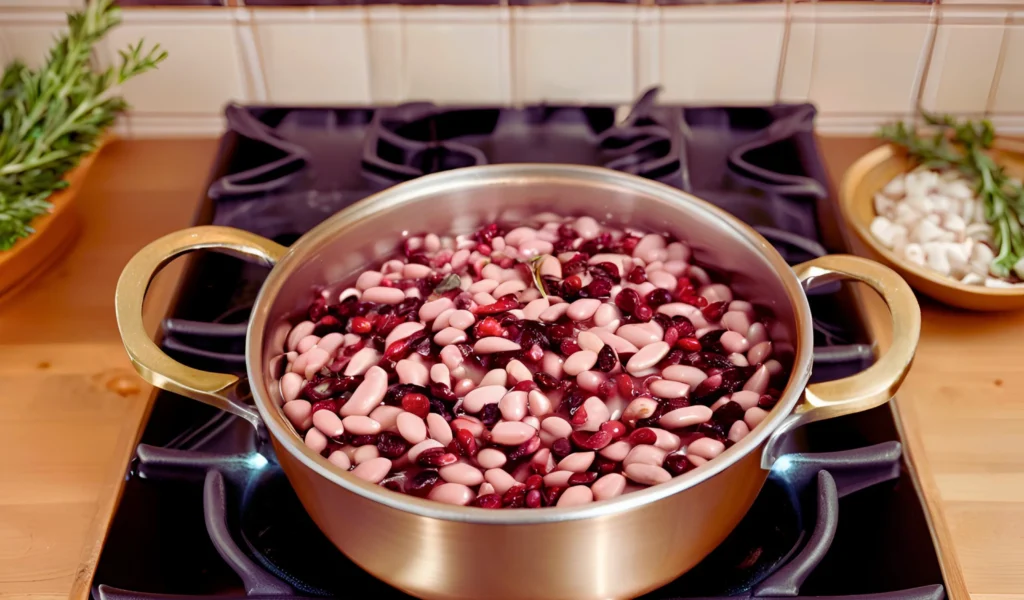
x: 52, y: 121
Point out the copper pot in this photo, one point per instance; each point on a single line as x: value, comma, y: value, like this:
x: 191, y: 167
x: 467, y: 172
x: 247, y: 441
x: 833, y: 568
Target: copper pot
x: 612, y: 549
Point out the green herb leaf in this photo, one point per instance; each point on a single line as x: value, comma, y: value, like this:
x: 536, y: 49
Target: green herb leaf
x: 449, y: 283
x: 53, y: 116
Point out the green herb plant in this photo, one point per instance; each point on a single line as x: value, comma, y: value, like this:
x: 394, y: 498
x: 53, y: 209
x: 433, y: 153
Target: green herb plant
x: 963, y: 145
x: 53, y: 116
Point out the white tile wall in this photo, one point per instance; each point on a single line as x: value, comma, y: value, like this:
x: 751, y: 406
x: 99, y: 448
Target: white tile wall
x: 860, y: 63
x: 456, y: 55
x: 333, y: 43
x: 721, y: 54
x: 567, y: 53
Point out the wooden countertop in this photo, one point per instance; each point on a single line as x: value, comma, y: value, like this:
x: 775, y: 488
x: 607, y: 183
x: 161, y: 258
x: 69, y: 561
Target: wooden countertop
x: 72, y: 406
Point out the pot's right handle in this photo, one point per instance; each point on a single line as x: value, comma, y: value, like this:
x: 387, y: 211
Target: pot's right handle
x: 149, y: 360
x: 877, y: 384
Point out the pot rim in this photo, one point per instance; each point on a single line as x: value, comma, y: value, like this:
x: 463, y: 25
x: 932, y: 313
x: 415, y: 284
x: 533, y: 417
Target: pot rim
x: 509, y: 174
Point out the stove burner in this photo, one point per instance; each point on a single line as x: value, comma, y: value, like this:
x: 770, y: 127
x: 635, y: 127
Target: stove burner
x: 780, y: 542
x: 264, y: 178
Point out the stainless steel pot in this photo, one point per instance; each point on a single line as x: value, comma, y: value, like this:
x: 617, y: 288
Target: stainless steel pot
x: 612, y: 549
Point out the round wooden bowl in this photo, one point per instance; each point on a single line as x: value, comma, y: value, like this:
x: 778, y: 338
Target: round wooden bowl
x: 55, y: 233
x: 870, y: 174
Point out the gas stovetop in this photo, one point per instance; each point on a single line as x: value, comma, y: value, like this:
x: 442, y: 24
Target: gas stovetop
x: 206, y: 511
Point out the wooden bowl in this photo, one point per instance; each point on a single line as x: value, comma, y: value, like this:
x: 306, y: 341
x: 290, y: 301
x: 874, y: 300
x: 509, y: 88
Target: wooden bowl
x: 870, y: 174
x: 55, y: 233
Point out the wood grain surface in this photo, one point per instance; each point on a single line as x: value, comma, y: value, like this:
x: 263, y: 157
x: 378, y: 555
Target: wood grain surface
x: 71, y: 406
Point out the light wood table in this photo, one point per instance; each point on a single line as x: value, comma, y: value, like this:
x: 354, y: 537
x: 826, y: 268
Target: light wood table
x: 71, y: 407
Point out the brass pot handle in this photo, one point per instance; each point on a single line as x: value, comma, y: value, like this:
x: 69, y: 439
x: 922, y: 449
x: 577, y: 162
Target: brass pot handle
x: 216, y: 389
x: 877, y: 384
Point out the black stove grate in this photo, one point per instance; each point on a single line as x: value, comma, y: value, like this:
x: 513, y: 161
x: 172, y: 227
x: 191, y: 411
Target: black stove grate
x: 206, y: 511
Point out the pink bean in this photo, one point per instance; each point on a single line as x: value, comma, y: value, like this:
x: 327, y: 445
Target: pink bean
x: 368, y: 279
x: 315, y: 441
x: 511, y: 433
x: 481, y: 396
x: 556, y: 426
x: 757, y: 334
x: 597, y: 414
x: 495, y: 377
x: 439, y: 429
x: 590, y: 381
x: 539, y: 404
x: 666, y: 388
x: 451, y: 357
x: 299, y: 413
x: 464, y: 387
x: 647, y: 357
x: 759, y: 353
x: 415, y: 271
x: 734, y: 342
x: 513, y: 406
x: 411, y: 372
x: 554, y: 312
x: 583, y: 309
x: 638, y: 334
x: 662, y: 280
x: 753, y: 417
x: 340, y: 460
x: 360, y: 425
x: 774, y: 367
x: 647, y: 474
x: 577, y: 462
x: 461, y: 319
x: 411, y: 427
x: 490, y: 345
x: 297, y: 333
x: 551, y: 364
x: 440, y: 374
x: 442, y: 320
x: 517, y: 371
x: 745, y: 399
x: 291, y: 385
x: 716, y: 292
x: 471, y: 423
x: 667, y: 440
x: 619, y: 344
x: 651, y: 455
x: 484, y: 285
x: 331, y: 342
x: 500, y: 479
x: 373, y: 470
x: 491, y: 458
x: 387, y: 416
x: 483, y: 299
x: 535, y: 247
x: 508, y: 287
x: 368, y: 394
x: 383, y: 295
x: 608, y: 486
x: 576, y: 495
x: 587, y: 227
x: 402, y: 331
x: 449, y: 336
x: 307, y: 343
x: 580, y: 361
x: 590, y: 342
x: 705, y: 448
x: 365, y: 453
x: 737, y: 321
x: 616, y: 451
x: 328, y: 423
x: 638, y: 408
x: 462, y: 473
x: 417, y: 449
x: 361, y: 362
x: 738, y: 431
x: 758, y: 382
x: 557, y: 478
x: 606, y: 315
x: 536, y: 308
x: 691, y: 376
x: 316, y: 359
x: 685, y: 417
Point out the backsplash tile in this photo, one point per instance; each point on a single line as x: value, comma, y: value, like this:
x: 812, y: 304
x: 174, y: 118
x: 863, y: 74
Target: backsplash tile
x: 964, y: 61
x: 28, y: 35
x: 695, y: 43
x: 205, y: 67
x: 858, y: 58
x: 456, y: 55
x: 574, y: 53
x: 1009, y: 91
x: 332, y: 44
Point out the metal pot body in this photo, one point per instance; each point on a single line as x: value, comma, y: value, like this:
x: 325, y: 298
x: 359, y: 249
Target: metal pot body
x: 612, y: 549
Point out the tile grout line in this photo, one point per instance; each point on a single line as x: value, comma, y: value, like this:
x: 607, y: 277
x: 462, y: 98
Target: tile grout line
x: 787, y: 25
x: 1000, y: 62
x: 925, y: 62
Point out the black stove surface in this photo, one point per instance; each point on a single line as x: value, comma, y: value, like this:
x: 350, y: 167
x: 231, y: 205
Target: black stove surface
x: 206, y: 511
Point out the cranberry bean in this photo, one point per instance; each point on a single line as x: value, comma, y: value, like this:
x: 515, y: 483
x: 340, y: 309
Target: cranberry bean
x: 687, y: 416
x: 647, y: 474
x: 651, y: 455
x: 753, y: 416
x: 577, y: 462
x: 707, y: 448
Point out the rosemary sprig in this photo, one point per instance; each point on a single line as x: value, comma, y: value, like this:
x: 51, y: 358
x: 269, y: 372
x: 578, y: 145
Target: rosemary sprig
x: 52, y: 116
x: 963, y: 145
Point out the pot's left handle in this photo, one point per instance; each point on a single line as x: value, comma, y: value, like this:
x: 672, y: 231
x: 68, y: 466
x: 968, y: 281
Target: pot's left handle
x: 149, y: 360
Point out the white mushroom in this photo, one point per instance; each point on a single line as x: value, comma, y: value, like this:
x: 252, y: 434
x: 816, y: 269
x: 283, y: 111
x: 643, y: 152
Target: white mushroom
x: 926, y: 231
x: 972, y: 279
x: 914, y: 253
x: 936, y: 258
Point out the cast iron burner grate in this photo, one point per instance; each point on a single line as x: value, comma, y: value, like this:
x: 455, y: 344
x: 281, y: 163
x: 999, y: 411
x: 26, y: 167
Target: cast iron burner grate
x: 205, y: 511
x: 260, y: 530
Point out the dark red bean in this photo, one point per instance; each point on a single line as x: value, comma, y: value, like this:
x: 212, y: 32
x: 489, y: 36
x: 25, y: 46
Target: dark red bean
x: 658, y: 297
x: 585, y: 478
x: 614, y: 428
x: 417, y: 404
x: 533, y: 499
x: 421, y: 483
x: 330, y: 405
x: 363, y: 440
x: 515, y: 497
x: 488, y: 501
x: 599, y: 288
x: 360, y: 325
x: 607, y: 359
x: 489, y: 327
x: 568, y: 347
x: 626, y: 385
x: 552, y: 494
x: 643, y: 313
x: 713, y: 312
x: 534, y: 482
x: 391, y: 444
x: 677, y: 464
x: 627, y: 300
x: 689, y: 344
x: 562, y: 331
x: 766, y: 402
x: 524, y: 386
x: 727, y: 414
x: 437, y: 457
x: 547, y: 382
x: 525, y: 449
x: 603, y: 466
x: 490, y: 415
x: 637, y: 275
x: 561, y: 448
x: 466, y: 441
x: 505, y: 303
x: 591, y: 441
x: 579, y: 417
x: 643, y: 436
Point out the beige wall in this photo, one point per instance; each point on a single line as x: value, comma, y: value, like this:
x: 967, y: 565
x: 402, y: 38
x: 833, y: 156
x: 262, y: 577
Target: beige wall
x: 861, y: 63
